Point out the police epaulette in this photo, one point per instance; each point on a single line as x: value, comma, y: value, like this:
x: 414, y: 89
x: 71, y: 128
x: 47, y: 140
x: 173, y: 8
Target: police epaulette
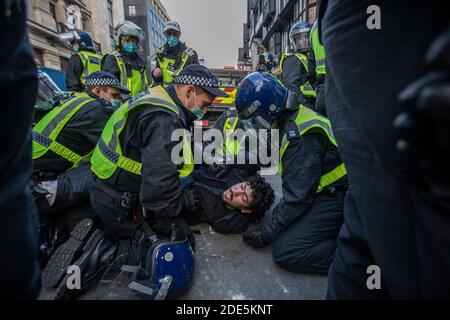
x: 189, y: 51
x: 231, y: 113
x: 139, y: 95
x: 292, y: 130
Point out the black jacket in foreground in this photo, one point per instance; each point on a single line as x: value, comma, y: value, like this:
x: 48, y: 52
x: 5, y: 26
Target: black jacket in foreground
x: 146, y: 138
x: 306, y: 159
x: 80, y: 135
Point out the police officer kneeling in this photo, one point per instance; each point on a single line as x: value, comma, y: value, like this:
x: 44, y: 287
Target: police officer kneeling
x: 136, y: 191
x: 305, y: 223
x: 66, y: 136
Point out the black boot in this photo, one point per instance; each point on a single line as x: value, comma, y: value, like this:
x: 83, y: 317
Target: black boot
x: 103, y: 258
x: 66, y: 254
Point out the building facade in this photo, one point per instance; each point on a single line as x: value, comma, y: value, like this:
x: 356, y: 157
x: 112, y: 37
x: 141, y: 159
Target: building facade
x: 47, y: 18
x: 268, y: 26
x: 150, y: 15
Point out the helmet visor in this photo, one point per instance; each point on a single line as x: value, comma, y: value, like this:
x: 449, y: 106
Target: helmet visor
x: 301, y: 41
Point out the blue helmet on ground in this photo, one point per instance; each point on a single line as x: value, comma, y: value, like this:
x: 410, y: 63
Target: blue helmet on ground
x: 261, y: 97
x: 77, y: 39
x: 299, y: 36
x: 167, y: 271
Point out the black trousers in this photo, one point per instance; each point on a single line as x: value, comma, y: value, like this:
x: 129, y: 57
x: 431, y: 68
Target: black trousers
x: 395, y: 225
x: 308, y: 245
x: 19, y: 268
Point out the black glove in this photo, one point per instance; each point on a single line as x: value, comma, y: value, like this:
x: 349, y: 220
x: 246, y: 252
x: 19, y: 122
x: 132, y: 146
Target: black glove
x: 190, y: 200
x: 256, y: 238
x: 218, y: 170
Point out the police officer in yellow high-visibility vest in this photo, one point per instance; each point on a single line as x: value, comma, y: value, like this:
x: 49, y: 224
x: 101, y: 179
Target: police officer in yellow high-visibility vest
x: 84, y: 59
x: 135, y: 157
x: 294, y: 65
x: 316, y: 68
x: 173, y: 57
x: 68, y: 133
x: 304, y: 225
x: 125, y: 63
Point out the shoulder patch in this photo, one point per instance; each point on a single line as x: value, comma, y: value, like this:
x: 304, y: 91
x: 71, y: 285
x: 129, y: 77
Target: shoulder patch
x: 136, y: 97
x: 292, y: 130
x: 231, y: 113
x: 189, y: 51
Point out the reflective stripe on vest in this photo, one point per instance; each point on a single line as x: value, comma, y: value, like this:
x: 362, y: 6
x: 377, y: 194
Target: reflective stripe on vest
x: 138, y: 81
x: 307, y: 120
x: 48, y: 128
x: 306, y: 89
x: 231, y: 144
x: 108, y: 156
x: 319, y: 51
x: 91, y: 63
x: 169, y: 75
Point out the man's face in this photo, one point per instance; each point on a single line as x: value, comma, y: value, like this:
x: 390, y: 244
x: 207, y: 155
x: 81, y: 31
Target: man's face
x: 129, y: 40
x: 109, y: 94
x: 239, y: 196
x: 196, y: 97
x: 172, y: 33
x: 302, y: 40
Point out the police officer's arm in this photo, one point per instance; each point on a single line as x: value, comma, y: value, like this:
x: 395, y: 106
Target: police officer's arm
x: 73, y: 74
x: 312, y: 76
x: 294, y: 75
x: 160, y: 189
x: 90, y: 121
x: 109, y: 64
x: 302, y: 169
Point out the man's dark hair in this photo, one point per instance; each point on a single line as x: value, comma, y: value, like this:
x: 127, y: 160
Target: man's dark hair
x: 263, y: 195
x: 89, y: 89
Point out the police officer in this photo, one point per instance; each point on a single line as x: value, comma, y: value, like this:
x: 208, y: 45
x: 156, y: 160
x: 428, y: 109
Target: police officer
x: 125, y: 63
x: 267, y: 62
x: 294, y: 65
x: 136, y: 180
x: 84, y: 59
x: 67, y: 135
x: 316, y: 67
x: 173, y: 57
x: 305, y: 223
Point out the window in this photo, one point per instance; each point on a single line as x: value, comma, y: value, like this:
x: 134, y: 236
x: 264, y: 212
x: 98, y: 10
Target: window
x: 110, y: 16
x: 132, y: 11
x: 53, y: 10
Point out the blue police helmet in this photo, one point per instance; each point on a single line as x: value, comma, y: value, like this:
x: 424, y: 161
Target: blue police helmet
x: 271, y: 60
x: 299, y: 36
x: 261, y: 94
x: 84, y: 40
x: 167, y: 271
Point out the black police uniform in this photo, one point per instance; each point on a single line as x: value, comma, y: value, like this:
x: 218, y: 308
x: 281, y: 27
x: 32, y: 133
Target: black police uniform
x: 175, y: 53
x: 19, y: 269
x: 132, y: 62
x: 146, y: 136
x: 74, y: 71
x: 396, y: 224
x: 293, y: 76
x: 305, y: 224
x: 80, y: 134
